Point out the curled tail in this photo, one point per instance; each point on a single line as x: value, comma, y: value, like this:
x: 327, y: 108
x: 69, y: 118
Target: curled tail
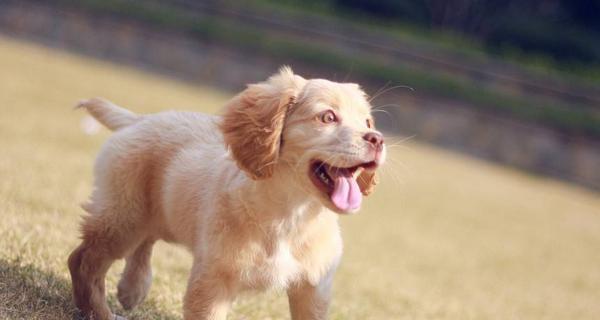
x: 108, y: 113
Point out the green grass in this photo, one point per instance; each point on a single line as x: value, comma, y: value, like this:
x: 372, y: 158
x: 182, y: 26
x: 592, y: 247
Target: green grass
x: 444, y: 237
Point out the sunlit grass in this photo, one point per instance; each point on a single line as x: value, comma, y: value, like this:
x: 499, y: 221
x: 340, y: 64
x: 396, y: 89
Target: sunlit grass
x: 444, y: 237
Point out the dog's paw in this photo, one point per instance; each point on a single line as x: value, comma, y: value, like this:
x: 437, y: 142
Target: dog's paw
x: 118, y: 317
x: 130, y: 298
x: 132, y: 293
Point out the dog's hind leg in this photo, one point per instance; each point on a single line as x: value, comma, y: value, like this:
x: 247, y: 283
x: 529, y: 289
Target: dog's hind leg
x: 137, y: 276
x: 105, y: 239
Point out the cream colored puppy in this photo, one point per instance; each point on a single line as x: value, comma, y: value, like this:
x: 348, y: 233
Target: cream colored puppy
x: 254, y: 194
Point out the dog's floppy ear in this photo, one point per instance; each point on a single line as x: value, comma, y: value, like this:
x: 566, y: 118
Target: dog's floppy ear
x: 367, y: 181
x: 253, y: 122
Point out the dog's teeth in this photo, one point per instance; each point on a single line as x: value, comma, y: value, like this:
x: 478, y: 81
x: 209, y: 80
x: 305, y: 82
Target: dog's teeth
x: 323, y: 177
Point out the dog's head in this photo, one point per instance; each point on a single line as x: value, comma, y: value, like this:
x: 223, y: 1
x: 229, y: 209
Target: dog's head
x: 321, y: 131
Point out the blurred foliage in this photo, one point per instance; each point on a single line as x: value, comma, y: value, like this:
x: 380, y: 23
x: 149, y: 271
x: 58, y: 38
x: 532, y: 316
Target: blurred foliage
x: 247, y: 38
x: 563, y: 29
x: 548, y: 35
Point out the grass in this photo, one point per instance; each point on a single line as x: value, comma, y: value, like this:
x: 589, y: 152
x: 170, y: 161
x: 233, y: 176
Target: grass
x: 445, y: 236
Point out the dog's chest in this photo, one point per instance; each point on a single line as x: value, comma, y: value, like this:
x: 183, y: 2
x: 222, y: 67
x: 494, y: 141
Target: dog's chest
x: 275, y: 268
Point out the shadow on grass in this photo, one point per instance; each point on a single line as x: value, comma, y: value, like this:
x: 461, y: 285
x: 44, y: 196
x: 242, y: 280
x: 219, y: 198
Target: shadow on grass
x: 27, y: 292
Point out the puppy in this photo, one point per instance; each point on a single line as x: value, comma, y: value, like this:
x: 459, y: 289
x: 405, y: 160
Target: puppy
x: 254, y: 194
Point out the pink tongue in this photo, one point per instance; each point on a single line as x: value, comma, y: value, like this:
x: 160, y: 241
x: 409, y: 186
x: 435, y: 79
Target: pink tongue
x: 346, y: 193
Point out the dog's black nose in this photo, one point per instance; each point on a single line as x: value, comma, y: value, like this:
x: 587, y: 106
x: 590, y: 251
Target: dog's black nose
x: 375, y: 138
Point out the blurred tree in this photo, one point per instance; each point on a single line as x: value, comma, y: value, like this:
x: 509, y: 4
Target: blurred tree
x: 411, y: 11
x: 566, y: 30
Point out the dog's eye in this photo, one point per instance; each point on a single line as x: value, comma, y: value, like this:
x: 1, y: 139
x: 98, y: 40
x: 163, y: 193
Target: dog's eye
x: 369, y: 123
x: 328, y: 117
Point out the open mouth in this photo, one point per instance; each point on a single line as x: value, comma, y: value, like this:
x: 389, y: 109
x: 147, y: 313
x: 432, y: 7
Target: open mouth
x: 338, y: 183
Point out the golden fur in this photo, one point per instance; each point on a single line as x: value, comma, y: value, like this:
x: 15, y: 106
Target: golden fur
x: 249, y: 213
x: 254, y: 134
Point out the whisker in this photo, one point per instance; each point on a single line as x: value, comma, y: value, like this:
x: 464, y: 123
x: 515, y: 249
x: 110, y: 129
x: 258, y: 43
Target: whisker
x: 403, y: 147
x: 387, y: 105
x: 392, y: 170
x: 389, y: 89
x: 397, y: 143
x: 389, y: 171
x: 379, y: 90
x: 385, y: 112
x: 397, y: 162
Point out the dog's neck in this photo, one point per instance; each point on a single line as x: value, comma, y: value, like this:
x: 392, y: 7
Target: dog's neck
x: 280, y: 202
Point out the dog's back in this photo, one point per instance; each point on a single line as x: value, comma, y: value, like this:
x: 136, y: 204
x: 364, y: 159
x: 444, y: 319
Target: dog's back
x: 133, y: 162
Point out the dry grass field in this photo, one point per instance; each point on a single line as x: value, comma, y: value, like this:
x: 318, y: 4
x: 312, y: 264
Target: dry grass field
x: 444, y: 237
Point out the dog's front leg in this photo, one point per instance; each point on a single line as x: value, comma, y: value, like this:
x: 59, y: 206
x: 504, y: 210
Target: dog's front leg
x: 208, y: 297
x: 309, y: 302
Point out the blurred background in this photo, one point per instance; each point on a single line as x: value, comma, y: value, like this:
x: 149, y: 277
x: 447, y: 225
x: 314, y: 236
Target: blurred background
x: 489, y: 205
x: 511, y: 81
